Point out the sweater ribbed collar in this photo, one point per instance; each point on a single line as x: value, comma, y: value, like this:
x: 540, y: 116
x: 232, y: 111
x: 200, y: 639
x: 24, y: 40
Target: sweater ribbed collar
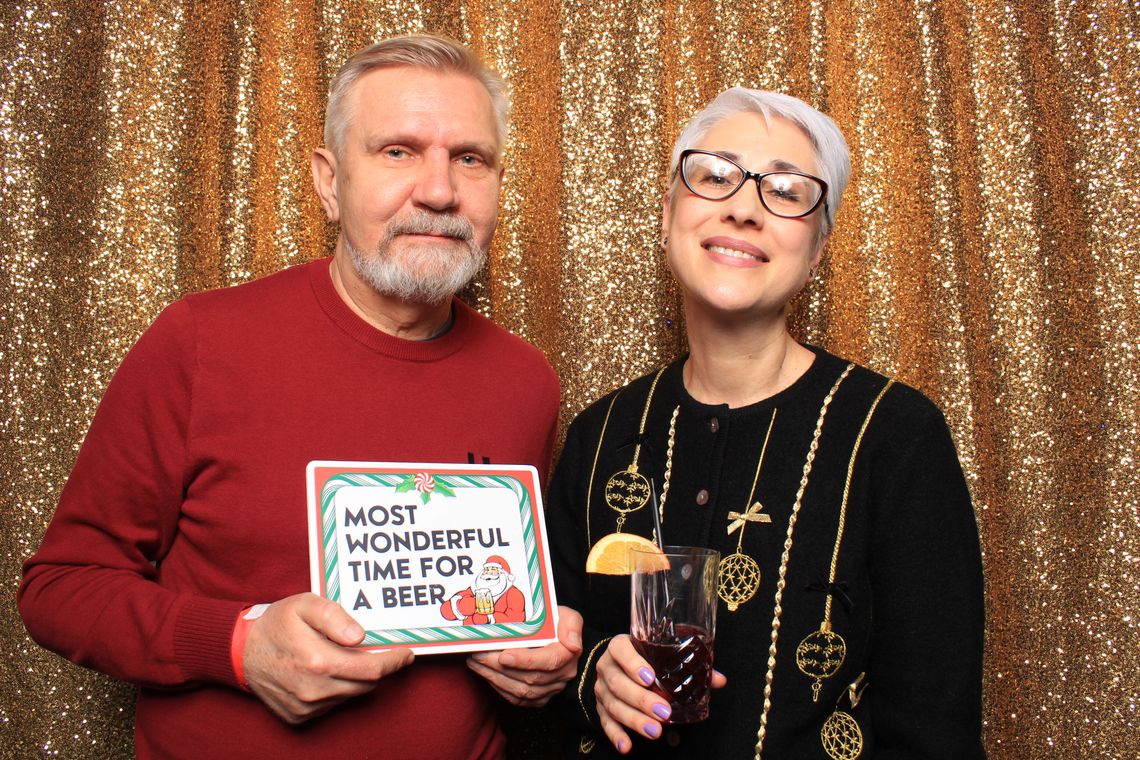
x: 818, y: 376
x: 379, y: 341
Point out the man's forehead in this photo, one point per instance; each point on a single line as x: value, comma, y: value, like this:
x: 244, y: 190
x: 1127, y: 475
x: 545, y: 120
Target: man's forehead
x: 405, y: 93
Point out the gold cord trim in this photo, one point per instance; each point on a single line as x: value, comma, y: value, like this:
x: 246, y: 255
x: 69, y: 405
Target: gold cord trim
x: 846, y: 493
x: 668, y: 463
x: 781, y: 581
x: 821, y: 653
x: 740, y: 519
x: 644, y: 417
x: 585, y: 672
x: 594, y: 467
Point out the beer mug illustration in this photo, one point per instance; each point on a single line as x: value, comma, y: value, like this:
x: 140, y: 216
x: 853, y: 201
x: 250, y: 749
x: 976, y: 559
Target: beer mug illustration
x: 484, y: 602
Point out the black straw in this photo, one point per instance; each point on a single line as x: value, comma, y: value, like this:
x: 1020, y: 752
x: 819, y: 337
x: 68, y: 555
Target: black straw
x: 656, y: 514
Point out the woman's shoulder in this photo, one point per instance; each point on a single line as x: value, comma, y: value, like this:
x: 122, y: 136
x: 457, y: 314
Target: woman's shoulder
x: 621, y: 401
x: 897, y: 402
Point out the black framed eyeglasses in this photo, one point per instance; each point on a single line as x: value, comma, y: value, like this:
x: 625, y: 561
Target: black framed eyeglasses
x: 785, y: 193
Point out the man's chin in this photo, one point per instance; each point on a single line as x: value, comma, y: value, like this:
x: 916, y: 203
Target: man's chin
x: 429, y: 273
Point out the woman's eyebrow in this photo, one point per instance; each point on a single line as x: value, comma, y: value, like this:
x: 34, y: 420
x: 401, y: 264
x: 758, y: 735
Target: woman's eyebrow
x: 776, y: 164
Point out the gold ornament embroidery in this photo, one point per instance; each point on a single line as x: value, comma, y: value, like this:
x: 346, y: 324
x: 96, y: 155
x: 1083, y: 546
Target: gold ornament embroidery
x: 841, y: 736
x: 628, y: 490
x: 739, y: 575
x: 821, y: 653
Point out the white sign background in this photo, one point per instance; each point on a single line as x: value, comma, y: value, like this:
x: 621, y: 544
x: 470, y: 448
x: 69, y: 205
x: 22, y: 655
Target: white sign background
x: 493, y: 513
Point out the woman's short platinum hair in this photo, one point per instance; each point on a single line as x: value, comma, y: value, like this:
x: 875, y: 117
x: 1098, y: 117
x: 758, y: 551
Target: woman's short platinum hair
x: 830, y: 147
x: 421, y: 51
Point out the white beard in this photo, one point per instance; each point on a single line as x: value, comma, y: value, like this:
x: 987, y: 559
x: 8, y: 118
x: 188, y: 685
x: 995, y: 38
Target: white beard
x: 422, y: 273
x: 497, y: 585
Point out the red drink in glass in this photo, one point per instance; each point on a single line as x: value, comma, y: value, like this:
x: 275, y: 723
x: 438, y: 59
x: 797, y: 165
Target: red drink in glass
x: 673, y: 624
x: 683, y: 664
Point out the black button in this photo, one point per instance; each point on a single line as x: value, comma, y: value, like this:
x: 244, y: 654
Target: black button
x: 714, y: 425
x: 672, y: 737
x: 703, y: 497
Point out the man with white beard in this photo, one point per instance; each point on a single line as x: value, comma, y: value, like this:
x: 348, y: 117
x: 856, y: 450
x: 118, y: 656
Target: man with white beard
x: 178, y: 556
x: 492, y: 598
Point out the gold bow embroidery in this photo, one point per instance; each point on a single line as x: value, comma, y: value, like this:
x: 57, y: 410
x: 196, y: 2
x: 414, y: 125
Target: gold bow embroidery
x: 752, y: 515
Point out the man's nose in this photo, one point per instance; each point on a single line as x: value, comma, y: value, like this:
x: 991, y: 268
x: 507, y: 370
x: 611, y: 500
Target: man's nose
x: 435, y: 187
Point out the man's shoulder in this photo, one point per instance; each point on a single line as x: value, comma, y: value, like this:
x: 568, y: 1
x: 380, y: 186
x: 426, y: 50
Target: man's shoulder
x: 280, y: 289
x: 502, y: 344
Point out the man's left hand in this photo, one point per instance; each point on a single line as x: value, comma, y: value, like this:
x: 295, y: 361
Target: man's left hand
x: 530, y: 677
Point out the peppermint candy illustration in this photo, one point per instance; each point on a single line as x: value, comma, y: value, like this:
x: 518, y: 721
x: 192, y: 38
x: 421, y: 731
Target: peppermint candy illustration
x: 424, y: 483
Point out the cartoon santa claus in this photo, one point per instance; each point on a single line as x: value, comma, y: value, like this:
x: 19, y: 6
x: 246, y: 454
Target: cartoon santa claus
x: 492, y: 597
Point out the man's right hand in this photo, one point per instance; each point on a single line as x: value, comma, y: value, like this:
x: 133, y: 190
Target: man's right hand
x: 298, y: 659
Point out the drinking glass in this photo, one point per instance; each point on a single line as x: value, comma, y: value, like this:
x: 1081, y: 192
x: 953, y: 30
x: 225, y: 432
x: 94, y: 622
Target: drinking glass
x: 673, y: 624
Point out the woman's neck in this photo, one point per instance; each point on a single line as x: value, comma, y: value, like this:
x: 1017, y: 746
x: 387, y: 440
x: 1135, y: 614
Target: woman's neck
x: 741, y: 363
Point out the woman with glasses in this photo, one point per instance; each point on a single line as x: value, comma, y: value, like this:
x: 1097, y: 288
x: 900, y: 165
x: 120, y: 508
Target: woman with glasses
x: 850, y: 587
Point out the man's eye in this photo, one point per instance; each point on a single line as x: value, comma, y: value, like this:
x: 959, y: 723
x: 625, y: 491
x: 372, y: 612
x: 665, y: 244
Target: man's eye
x: 397, y: 153
x: 470, y: 160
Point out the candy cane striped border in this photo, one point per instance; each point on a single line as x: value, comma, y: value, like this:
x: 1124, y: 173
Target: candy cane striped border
x: 442, y: 634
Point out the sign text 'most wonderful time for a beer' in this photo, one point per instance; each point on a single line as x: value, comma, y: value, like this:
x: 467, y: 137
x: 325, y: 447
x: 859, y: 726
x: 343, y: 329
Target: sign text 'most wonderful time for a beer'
x: 438, y: 557
x: 389, y: 549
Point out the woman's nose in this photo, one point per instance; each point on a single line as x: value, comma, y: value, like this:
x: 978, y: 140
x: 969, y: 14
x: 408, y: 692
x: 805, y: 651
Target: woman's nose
x: 744, y: 206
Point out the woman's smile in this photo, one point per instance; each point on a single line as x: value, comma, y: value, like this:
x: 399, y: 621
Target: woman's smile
x: 734, y: 252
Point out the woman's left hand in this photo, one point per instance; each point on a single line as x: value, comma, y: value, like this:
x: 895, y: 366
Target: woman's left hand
x: 624, y: 697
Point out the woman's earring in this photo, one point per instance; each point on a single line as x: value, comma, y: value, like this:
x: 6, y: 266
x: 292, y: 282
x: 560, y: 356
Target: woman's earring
x: 664, y: 241
x: 811, y: 273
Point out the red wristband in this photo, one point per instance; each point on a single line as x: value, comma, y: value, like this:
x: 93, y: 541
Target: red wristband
x: 242, y: 625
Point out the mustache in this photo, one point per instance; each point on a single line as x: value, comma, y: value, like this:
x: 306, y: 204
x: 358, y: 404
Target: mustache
x: 431, y: 223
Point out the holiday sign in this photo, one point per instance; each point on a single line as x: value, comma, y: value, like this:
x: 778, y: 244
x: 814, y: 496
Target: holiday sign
x: 436, y: 557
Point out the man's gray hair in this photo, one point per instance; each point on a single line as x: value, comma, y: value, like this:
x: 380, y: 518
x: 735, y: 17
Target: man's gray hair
x: 830, y: 147
x: 421, y: 51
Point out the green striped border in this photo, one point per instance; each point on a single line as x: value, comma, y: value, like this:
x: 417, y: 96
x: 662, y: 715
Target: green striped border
x: 442, y: 634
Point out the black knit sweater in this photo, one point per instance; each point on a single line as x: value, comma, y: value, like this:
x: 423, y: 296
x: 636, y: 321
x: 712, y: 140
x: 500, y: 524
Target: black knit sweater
x: 907, y: 596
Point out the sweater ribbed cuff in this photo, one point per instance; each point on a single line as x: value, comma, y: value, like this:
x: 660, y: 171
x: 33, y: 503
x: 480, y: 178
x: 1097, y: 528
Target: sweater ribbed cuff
x: 202, y: 639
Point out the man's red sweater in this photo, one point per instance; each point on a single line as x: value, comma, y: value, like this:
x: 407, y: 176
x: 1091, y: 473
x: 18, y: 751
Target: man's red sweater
x: 187, y: 503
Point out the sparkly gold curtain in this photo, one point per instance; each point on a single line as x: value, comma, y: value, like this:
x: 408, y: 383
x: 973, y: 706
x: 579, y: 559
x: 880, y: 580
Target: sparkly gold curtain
x: 986, y: 253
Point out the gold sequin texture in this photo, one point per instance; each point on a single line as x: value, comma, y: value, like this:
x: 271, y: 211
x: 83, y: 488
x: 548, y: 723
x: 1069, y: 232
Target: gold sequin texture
x: 986, y: 253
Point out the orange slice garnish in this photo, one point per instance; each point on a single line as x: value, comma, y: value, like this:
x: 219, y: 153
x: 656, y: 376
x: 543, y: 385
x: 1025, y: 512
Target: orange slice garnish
x: 613, y: 554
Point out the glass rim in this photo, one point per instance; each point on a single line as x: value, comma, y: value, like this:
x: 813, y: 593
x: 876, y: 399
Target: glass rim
x: 679, y: 550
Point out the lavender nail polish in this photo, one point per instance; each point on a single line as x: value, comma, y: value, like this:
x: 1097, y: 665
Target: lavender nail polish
x: 646, y: 676
x: 653, y: 729
x: 662, y: 711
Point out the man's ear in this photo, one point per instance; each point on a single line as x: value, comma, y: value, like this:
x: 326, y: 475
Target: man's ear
x: 666, y: 204
x: 324, y: 181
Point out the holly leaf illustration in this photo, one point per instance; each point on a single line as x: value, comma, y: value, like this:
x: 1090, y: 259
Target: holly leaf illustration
x: 425, y: 496
x: 407, y: 484
x: 440, y: 488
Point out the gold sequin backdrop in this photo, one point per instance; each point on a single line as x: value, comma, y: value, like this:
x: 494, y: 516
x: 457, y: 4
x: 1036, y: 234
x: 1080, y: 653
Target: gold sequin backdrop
x: 986, y: 253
